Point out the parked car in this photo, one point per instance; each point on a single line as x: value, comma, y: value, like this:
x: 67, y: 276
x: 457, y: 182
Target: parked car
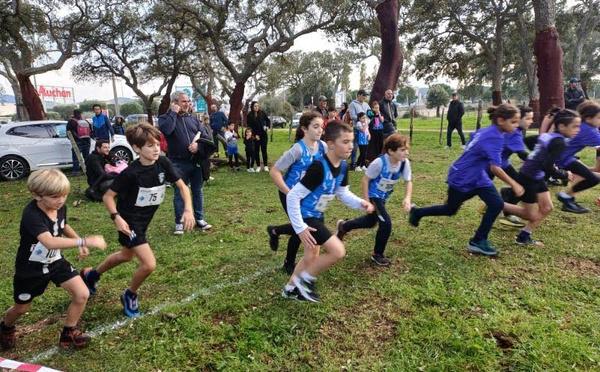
x: 32, y: 145
x: 278, y: 122
x: 296, y: 120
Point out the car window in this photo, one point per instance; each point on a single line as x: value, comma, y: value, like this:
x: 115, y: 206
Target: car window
x: 58, y: 130
x: 30, y: 131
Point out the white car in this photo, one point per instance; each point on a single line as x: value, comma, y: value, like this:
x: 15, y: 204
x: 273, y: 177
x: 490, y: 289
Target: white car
x: 30, y: 145
x: 296, y: 120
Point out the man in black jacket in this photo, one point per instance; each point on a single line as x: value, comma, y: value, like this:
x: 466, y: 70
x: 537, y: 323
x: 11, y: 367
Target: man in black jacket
x: 388, y: 109
x: 573, y: 95
x: 456, y: 110
x: 96, y: 176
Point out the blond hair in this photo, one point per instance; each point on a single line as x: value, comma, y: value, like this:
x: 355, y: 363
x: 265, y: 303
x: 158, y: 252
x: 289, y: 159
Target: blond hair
x: 48, y: 182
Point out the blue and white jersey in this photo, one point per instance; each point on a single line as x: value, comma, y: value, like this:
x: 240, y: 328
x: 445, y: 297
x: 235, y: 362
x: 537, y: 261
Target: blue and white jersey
x: 316, y: 202
x: 534, y: 165
x: 297, y: 170
x: 382, y: 186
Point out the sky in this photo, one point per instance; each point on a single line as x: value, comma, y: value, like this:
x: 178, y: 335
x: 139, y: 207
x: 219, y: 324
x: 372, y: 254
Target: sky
x: 92, y: 90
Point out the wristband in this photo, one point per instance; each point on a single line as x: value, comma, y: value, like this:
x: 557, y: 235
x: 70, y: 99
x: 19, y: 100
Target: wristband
x: 81, y: 242
x: 114, y: 215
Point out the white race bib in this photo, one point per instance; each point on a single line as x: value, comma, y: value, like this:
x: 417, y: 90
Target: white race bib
x: 386, y: 185
x: 323, y: 201
x: 43, y: 255
x: 148, y: 196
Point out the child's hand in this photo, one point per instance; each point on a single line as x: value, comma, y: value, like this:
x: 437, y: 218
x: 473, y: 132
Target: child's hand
x: 122, y: 226
x: 570, y: 176
x: 83, y: 252
x: 96, y: 241
x: 307, y: 239
x: 406, y: 204
x: 367, y: 206
x: 518, y: 190
x: 188, y: 220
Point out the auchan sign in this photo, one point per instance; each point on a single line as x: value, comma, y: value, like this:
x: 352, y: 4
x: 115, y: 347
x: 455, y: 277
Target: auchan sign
x: 55, y: 94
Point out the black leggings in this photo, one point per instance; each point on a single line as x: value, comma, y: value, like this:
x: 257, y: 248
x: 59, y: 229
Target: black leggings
x: 362, y: 158
x: 379, y: 216
x: 261, y: 146
x: 237, y: 160
x: 249, y: 159
x: 287, y: 229
x: 590, y: 179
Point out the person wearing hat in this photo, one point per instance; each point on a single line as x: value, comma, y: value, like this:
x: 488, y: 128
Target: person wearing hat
x: 322, y: 108
x: 456, y: 110
x: 357, y: 106
x: 573, y: 95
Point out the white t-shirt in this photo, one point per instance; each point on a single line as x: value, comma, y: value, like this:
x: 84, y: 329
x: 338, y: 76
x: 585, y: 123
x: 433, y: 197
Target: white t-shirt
x: 374, y: 168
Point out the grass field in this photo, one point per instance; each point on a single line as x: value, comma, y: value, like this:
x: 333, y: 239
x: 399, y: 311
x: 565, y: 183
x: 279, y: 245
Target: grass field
x: 435, y: 308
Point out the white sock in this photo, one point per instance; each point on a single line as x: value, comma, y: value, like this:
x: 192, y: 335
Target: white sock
x: 307, y: 277
x: 289, y: 287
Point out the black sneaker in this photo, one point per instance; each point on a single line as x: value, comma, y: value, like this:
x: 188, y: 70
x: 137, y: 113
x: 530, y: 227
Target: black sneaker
x: 380, y: 260
x: 307, y: 289
x: 288, y: 267
x: 294, y: 294
x: 340, y: 233
x: 554, y: 182
x: 528, y: 241
x: 412, y: 218
x: 273, y: 238
x: 8, y: 337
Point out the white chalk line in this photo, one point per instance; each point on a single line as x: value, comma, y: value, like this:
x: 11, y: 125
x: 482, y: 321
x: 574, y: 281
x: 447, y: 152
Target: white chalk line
x: 157, y: 309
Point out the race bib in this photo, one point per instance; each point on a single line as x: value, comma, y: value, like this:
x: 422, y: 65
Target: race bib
x: 323, y: 201
x: 43, y: 255
x: 386, y: 185
x: 148, y: 196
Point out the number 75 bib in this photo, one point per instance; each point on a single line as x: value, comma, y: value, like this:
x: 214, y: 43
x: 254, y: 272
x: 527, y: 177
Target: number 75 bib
x: 148, y: 196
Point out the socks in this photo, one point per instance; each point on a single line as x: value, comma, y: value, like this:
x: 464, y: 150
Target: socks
x: 289, y: 287
x: 4, y: 327
x: 524, y: 235
x: 307, y: 277
x: 66, y: 330
x: 93, y: 275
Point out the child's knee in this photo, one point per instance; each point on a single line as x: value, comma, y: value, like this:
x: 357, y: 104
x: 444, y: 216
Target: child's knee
x: 338, y: 251
x: 546, y: 209
x: 148, y: 266
x: 80, y: 296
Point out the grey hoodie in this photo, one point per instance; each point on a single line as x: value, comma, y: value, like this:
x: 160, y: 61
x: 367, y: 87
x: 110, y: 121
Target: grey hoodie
x: 355, y: 108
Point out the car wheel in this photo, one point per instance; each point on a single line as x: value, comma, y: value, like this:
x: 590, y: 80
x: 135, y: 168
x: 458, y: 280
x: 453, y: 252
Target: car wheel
x: 121, y: 153
x: 13, y: 168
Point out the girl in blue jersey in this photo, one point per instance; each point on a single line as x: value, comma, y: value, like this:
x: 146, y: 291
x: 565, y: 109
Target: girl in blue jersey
x: 536, y: 200
x: 584, y: 178
x: 363, y: 140
x: 288, y: 170
x: 377, y: 186
x: 325, y: 179
x: 468, y: 177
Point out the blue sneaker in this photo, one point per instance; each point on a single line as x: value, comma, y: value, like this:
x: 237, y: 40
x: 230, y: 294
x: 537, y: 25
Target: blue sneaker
x: 130, y: 304
x: 89, y: 279
x: 482, y: 247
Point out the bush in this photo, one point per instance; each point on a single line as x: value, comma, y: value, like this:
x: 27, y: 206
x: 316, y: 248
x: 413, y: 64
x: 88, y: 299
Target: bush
x: 53, y: 115
x: 131, y: 108
x: 65, y: 111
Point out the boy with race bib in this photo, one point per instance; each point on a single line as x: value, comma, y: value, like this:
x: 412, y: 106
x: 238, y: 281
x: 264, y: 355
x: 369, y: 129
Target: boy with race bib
x: 377, y: 186
x: 44, y: 234
x: 139, y: 189
x: 325, y: 178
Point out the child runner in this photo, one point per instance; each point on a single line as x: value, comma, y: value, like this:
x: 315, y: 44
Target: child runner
x: 231, y: 137
x: 468, y: 177
x: 514, y: 143
x: 139, y: 189
x: 294, y: 164
x: 44, y: 234
x: 584, y: 177
x: 537, y: 203
x: 362, y: 127
x: 325, y: 179
x: 250, y: 149
x: 377, y: 186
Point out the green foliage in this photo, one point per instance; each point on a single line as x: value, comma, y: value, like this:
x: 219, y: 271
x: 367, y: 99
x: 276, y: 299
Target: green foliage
x: 89, y: 103
x: 406, y: 95
x: 274, y: 105
x: 437, y: 96
x: 130, y: 108
x: 53, y: 115
x: 65, y: 111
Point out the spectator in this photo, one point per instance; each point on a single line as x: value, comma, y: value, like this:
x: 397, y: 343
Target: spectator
x: 259, y: 122
x: 573, y: 95
x: 356, y: 106
x: 218, y: 124
x: 322, y: 108
x: 343, y: 110
x: 82, y: 131
x: 377, y: 136
x: 102, y: 128
x: 119, y: 125
x: 456, y: 110
x: 180, y: 128
x: 389, y: 111
x: 98, y: 180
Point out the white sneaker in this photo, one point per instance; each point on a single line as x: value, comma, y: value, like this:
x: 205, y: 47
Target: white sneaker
x: 265, y: 168
x: 257, y: 170
x: 203, y: 225
x: 358, y: 169
x: 178, y: 229
x: 364, y: 168
x: 211, y: 178
x: 250, y: 170
x: 463, y: 146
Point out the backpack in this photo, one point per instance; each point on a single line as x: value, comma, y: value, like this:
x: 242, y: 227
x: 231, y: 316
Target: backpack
x: 84, y: 130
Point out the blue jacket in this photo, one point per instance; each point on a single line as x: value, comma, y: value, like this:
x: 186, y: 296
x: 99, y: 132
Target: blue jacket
x: 180, y: 130
x: 102, y: 128
x: 218, y: 121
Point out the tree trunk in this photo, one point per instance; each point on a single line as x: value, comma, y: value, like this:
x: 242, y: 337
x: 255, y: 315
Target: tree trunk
x: 31, y: 98
x: 22, y: 114
x: 392, y: 59
x: 549, y: 56
x: 537, y: 117
x: 235, y: 102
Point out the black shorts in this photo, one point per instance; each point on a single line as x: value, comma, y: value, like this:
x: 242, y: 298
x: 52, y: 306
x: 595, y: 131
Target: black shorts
x: 532, y: 188
x: 283, y: 200
x: 138, y: 235
x: 29, y: 284
x: 322, y: 233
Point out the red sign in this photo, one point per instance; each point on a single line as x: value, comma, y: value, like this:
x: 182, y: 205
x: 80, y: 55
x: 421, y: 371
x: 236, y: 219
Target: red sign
x: 54, y: 93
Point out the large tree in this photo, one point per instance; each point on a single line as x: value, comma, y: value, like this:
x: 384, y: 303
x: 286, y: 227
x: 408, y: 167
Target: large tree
x: 243, y: 34
x: 37, y: 37
x: 549, y: 55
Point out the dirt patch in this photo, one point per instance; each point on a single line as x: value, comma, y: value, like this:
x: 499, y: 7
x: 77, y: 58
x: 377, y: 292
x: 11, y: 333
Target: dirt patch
x: 225, y: 317
x: 579, y: 266
x: 24, y: 330
x: 504, y: 341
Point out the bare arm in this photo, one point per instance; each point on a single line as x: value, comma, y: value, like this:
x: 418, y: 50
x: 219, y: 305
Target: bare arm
x: 364, y: 186
x: 406, y: 203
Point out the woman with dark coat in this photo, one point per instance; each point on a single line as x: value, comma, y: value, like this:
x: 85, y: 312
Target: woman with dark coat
x: 259, y: 122
x: 119, y: 125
